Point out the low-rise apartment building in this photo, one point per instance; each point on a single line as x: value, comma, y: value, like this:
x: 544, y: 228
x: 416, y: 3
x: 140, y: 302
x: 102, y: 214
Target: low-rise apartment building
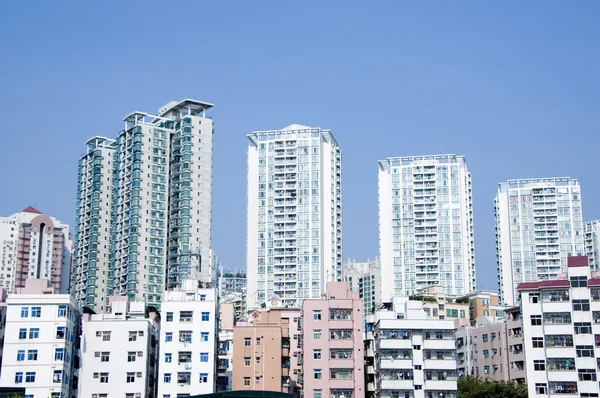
x: 516, y: 355
x: 119, y: 351
x: 333, y: 354
x: 225, y: 347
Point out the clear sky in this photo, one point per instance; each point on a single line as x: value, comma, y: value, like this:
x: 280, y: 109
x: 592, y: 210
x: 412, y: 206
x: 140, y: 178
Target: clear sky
x: 514, y: 86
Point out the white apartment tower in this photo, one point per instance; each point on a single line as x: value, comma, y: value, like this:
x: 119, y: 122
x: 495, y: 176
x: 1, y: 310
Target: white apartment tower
x: 157, y: 176
x: 89, y: 271
x: 426, y: 225
x: 538, y: 225
x: 591, y: 231
x: 119, y: 351
x: 188, y: 341
x: 294, y: 222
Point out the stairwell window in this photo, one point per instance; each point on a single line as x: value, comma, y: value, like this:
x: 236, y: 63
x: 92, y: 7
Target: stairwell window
x: 316, y: 315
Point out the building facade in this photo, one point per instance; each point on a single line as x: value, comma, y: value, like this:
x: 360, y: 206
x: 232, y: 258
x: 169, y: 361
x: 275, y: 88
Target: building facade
x: 225, y: 347
x: 294, y: 219
x: 41, y: 342
x: 538, y: 225
x: 591, y: 231
x: 560, y: 322
x: 188, y: 341
x: 365, y: 279
x: 426, y: 225
x: 333, y: 351
x: 267, y: 352
x: 119, y: 351
x: 232, y: 282
x: 516, y: 354
x: 34, y: 245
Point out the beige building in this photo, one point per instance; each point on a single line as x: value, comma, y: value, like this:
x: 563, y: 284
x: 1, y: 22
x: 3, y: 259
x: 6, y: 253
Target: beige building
x: 484, y: 303
x: 516, y: 354
x: 438, y: 305
x: 267, y: 354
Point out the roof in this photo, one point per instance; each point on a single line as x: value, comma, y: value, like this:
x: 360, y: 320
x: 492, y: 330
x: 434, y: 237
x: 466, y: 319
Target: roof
x: 194, y: 105
x: 30, y: 209
x: 543, y: 284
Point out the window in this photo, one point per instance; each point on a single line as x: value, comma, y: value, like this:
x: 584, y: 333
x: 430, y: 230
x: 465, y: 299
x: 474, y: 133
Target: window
x: 317, y: 354
x: 203, y: 377
x: 587, y: 374
x: 247, y: 342
x: 205, y: 316
x: 103, y: 377
x: 105, y: 336
x: 57, y: 376
x: 341, y: 374
x: 583, y: 327
x: 22, y: 334
x: 536, y: 320
x: 105, y: 357
x: 486, y: 353
x: 62, y: 311
x: 541, y: 388
x: 317, y: 394
x: 538, y: 342
x: 59, y: 354
x: 203, y: 297
x: 340, y: 334
x: 257, y: 379
x: 169, y: 317
x: 258, y: 341
x: 184, y: 378
x: 246, y: 381
x: 32, y: 355
x: 34, y: 333
x: 30, y: 377
x: 486, y: 369
x: 316, y: 315
x: 24, y: 312
x: 167, y: 378
x: 18, y: 377
x: 584, y: 351
x: 484, y: 338
x: 257, y: 360
x: 168, y: 357
x: 131, y: 356
x: 168, y: 337
x: 581, y: 305
x: 21, y: 355
x: 578, y: 281
x: 204, y: 357
x: 36, y: 312
x: 186, y: 316
x: 317, y: 374
x: 204, y: 336
x: 185, y: 336
x: 130, y: 377
x: 246, y: 361
x: 132, y: 336
x: 539, y: 365
x: 317, y: 334
x: 61, y: 332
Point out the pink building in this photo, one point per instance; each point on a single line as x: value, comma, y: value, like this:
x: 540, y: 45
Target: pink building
x: 34, y: 245
x: 333, y: 344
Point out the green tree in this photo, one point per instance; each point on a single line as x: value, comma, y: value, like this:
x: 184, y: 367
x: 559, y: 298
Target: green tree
x: 475, y: 387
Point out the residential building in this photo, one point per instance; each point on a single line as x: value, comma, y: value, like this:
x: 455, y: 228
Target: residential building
x: 560, y: 323
x: 3, y: 308
x: 119, y: 351
x: 591, y: 231
x: 294, y: 222
x: 41, y: 341
x: 152, y: 185
x: 188, y: 341
x: 409, y: 355
x: 333, y: 354
x: 516, y: 355
x: 231, y: 282
x: 267, y: 352
x: 426, y: 225
x: 34, y: 245
x: 239, y: 304
x: 89, y: 270
x: 225, y: 347
x: 538, y: 225
x: 438, y: 305
x: 365, y: 279
x: 484, y: 303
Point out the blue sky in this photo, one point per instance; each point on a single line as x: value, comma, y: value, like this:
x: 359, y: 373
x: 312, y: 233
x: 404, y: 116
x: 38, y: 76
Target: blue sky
x: 512, y: 85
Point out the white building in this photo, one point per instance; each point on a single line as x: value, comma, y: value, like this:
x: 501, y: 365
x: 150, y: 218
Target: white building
x: 591, y: 231
x: 89, y: 272
x: 426, y: 225
x: 294, y: 236
x: 561, y: 325
x: 34, y: 245
x: 538, y: 225
x: 408, y: 355
x: 119, y: 352
x: 188, y: 339
x: 3, y: 308
x: 41, y: 342
x: 364, y: 279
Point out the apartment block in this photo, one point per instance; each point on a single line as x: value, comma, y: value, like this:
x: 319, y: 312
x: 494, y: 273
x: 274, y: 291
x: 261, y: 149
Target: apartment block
x: 409, y: 355
x: 591, y: 234
x: 231, y: 282
x: 225, y: 347
x: 560, y: 322
x: 426, y: 225
x: 188, y: 341
x: 516, y: 354
x: 3, y: 309
x: 294, y: 219
x: 333, y: 354
x: 34, y: 245
x: 41, y: 341
x: 484, y: 303
x: 365, y: 279
x: 538, y: 225
x: 438, y: 305
x: 267, y: 352
x: 119, y: 351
